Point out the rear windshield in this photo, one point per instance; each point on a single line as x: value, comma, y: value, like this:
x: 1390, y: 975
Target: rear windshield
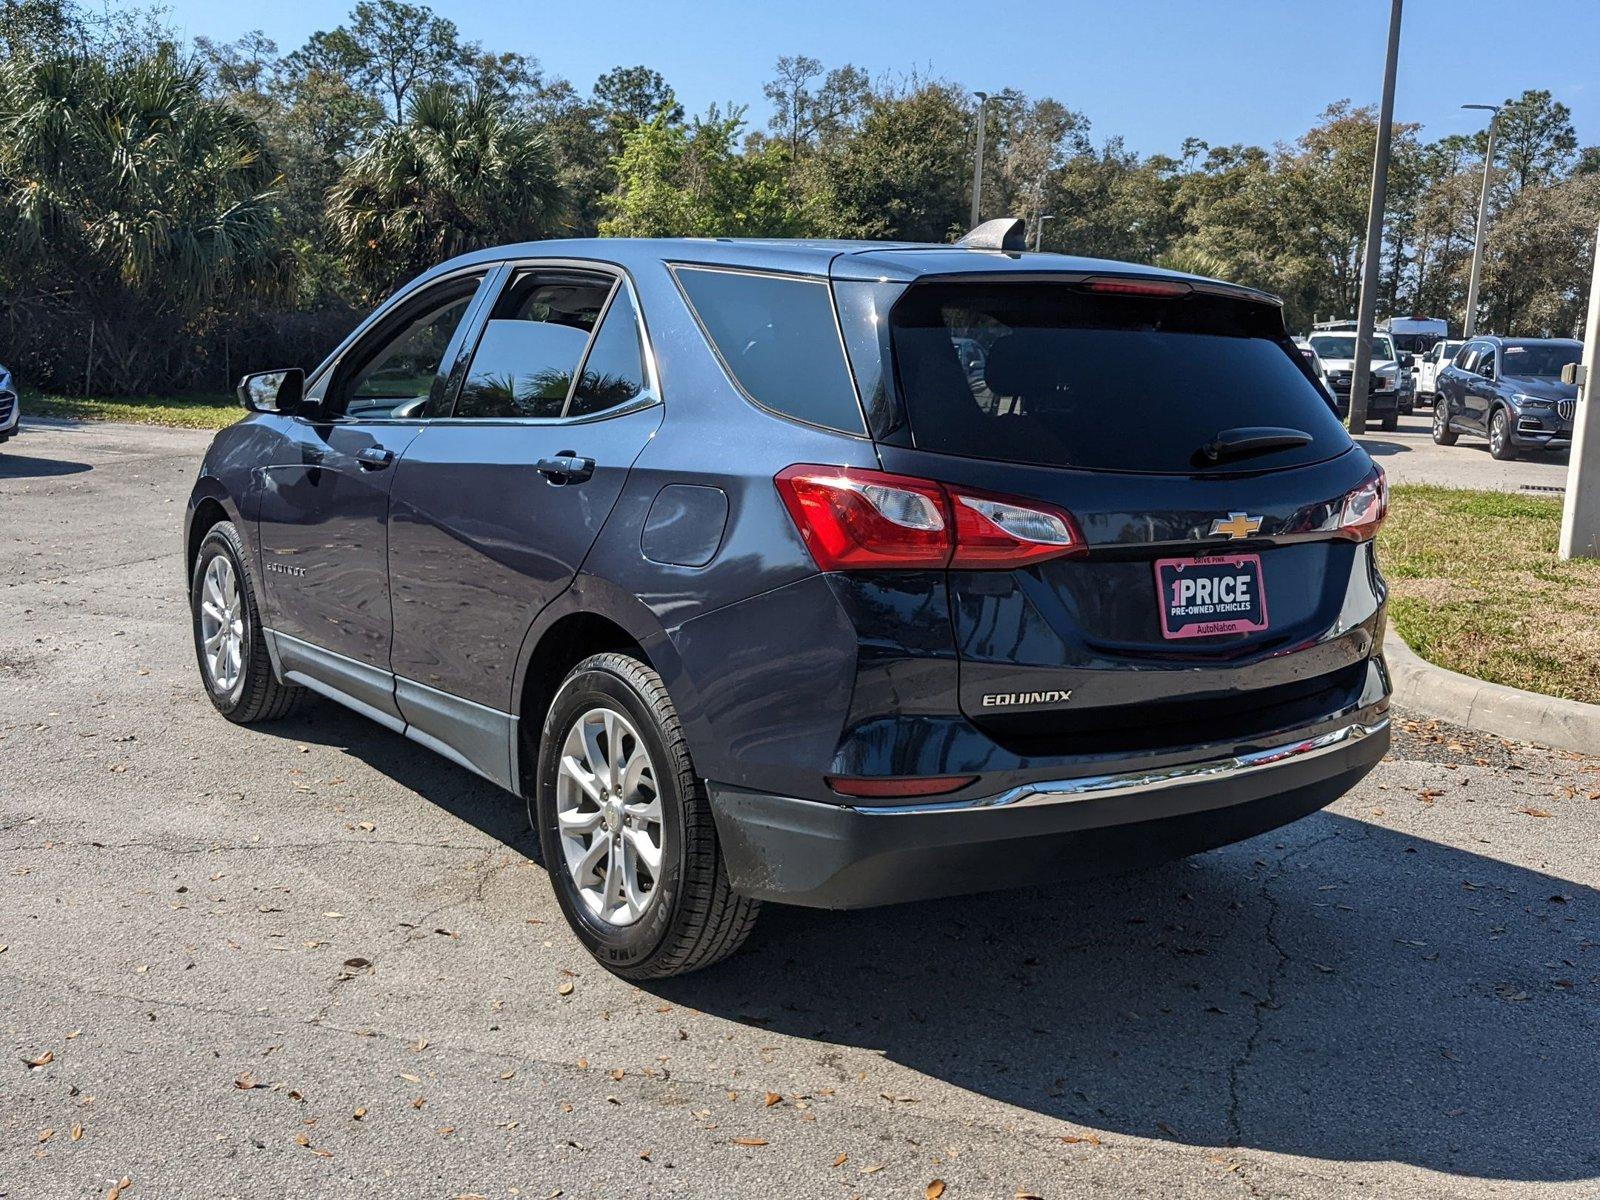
x: 1054, y: 375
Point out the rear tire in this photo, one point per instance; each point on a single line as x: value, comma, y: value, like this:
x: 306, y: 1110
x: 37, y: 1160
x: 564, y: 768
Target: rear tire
x: 1443, y: 435
x: 1500, y: 446
x: 228, y: 643
x: 687, y: 917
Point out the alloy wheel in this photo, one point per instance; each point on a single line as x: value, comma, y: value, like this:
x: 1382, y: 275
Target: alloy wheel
x: 609, y: 816
x: 222, y: 625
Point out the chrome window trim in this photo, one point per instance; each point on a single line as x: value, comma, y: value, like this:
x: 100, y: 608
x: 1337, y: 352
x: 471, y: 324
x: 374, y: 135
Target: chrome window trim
x: 1100, y: 787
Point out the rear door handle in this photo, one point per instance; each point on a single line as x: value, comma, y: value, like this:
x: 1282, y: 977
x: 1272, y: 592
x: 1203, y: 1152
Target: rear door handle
x: 374, y: 458
x: 566, y: 467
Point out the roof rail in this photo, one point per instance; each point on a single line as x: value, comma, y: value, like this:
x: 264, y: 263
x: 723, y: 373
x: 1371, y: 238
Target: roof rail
x: 1002, y: 233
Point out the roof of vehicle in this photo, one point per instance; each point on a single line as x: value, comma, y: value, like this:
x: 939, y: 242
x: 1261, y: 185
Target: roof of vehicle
x: 867, y: 260
x: 1502, y: 340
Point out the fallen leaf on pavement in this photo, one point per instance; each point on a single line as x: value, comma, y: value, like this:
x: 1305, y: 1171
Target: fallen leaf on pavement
x: 44, y: 1060
x: 749, y: 1141
x: 1083, y: 1138
x: 773, y: 1098
x: 934, y: 1190
x: 565, y: 988
x: 841, y: 1160
x: 77, y: 1133
x: 1534, y: 812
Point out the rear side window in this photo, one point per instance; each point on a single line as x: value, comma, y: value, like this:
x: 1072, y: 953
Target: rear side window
x: 613, y: 373
x: 531, y: 346
x: 1055, y: 375
x: 777, y: 336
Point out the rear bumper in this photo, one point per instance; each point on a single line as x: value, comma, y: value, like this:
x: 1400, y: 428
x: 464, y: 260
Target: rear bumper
x: 839, y: 856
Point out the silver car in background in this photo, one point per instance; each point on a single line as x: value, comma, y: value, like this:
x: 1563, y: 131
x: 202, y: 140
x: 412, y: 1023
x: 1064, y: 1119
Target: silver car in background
x: 10, y: 407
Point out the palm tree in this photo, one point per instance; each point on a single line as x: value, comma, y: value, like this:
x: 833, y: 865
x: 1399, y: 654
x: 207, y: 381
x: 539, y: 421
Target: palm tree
x: 461, y: 172
x: 129, y: 197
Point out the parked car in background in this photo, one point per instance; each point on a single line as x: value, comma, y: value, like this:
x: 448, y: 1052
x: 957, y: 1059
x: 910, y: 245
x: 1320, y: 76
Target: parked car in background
x: 1508, y: 390
x: 759, y: 583
x: 1313, y: 362
x: 1338, y: 351
x: 1429, y: 366
x: 10, y: 406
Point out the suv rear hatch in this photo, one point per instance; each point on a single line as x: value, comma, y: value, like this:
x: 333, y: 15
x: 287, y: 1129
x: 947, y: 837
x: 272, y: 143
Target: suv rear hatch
x: 1223, y: 585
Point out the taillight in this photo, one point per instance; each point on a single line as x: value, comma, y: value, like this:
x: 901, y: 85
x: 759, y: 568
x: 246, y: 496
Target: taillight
x: 1363, y: 509
x: 993, y: 531
x: 1136, y: 287
x: 853, y: 519
x: 857, y: 519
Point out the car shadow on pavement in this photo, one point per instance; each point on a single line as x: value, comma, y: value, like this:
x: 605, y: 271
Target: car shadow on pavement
x: 15, y: 466
x: 1379, y: 448
x: 1334, y: 990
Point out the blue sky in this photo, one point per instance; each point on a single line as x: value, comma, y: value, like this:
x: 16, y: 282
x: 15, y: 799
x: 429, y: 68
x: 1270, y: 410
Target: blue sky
x: 1154, y: 71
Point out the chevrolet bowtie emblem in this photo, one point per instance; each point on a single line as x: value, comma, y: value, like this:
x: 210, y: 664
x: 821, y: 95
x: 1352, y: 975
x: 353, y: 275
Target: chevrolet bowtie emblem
x: 1238, y: 525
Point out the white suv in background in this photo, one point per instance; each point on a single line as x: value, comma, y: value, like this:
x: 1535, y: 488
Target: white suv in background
x: 1429, y: 366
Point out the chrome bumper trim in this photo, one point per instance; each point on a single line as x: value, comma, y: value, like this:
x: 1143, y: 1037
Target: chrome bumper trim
x: 1096, y: 787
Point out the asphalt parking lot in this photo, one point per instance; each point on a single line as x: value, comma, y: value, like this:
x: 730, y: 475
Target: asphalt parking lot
x: 1409, y: 456
x: 312, y: 959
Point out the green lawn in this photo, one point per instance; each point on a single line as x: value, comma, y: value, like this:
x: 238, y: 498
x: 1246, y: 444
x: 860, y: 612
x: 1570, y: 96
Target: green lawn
x: 203, y: 411
x: 1476, y: 586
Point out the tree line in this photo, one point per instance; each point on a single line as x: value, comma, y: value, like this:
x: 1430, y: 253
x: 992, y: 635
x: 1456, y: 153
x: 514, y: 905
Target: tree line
x: 174, y: 213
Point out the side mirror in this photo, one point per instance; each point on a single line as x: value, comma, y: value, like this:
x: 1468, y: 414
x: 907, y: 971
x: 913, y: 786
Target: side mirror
x: 1572, y: 374
x: 1408, y: 360
x: 273, y: 391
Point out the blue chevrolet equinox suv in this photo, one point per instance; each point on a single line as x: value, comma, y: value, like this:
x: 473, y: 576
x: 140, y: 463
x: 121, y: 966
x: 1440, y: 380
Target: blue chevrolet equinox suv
x: 824, y: 573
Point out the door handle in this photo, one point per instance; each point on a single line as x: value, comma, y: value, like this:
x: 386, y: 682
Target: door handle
x: 565, y: 467
x: 374, y: 458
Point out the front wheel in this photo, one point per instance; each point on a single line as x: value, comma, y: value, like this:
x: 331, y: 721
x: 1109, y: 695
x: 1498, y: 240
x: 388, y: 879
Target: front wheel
x: 1500, y: 446
x: 626, y: 829
x: 1443, y: 435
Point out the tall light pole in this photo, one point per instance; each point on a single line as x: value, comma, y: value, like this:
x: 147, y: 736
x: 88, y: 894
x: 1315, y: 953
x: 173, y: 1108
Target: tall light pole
x: 1366, y: 310
x: 977, y: 169
x: 1038, y: 233
x: 1470, y: 325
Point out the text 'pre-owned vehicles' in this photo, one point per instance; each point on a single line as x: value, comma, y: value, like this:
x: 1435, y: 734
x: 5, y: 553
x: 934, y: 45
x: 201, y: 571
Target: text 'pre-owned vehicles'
x: 830, y: 573
x: 1337, y: 350
x: 1508, y: 390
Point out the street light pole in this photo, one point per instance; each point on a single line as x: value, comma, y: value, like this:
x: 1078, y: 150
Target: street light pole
x: 1038, y: 233
x: 1470, y: 325
x: 977, y: 170
x: 1366, y: 310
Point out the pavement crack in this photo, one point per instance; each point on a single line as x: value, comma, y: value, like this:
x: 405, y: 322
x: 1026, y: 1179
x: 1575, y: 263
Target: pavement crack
x: 1269, y: 1002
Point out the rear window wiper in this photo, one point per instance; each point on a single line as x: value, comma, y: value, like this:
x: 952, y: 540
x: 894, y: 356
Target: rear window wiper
x: 1248, y: 440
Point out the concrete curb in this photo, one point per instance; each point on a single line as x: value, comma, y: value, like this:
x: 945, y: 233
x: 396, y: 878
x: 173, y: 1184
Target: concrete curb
x: 1489, y: 707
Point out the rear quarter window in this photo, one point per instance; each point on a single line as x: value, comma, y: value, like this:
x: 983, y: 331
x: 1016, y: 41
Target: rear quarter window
x: 1053, y: 375
x: 778, y: 339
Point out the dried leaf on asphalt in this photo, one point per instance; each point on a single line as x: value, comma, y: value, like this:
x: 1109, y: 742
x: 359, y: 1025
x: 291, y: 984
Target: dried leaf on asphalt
x: 841, y: 1160
x: 749, y: 1141
x: 247, y: 1081
x: 564, y: 988
x: 1087, y: 1139
x: 410, y: 1078
x: 773, y: 1098
x: 873, y: 1169
x: 118, y: 1188
x: 505, y: 1075
x: 934, y: 1190
x: 46, y: 1134
x: 1535, y: 812
x: 44, y: 1060
x: 1023, y: 1195
x: 77, y: 1133
x: 420, y: 1045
